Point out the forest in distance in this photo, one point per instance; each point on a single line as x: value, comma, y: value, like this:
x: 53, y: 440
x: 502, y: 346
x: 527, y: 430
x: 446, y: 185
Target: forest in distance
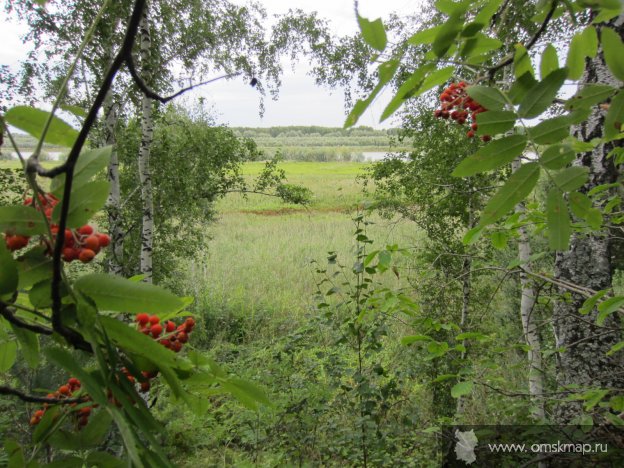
x: 177, y: 292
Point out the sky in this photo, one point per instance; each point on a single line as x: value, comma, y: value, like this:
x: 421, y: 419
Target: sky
x: 300, y: 101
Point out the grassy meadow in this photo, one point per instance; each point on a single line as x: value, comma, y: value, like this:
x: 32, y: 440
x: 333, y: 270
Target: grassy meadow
x: 259, y: 261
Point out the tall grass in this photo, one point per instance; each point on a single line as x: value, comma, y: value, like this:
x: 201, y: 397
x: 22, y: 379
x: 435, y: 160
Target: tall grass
x: 257, y: 272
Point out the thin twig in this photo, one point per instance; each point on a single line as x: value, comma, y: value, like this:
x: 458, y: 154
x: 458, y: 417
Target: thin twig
x: 150, y: 93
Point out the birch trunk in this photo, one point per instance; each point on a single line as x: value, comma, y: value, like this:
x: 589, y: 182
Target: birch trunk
x: 466, y: 290
x: 589, y: 263
x: 113, y: 203
x: 145, y: 178
x: 527, y: 316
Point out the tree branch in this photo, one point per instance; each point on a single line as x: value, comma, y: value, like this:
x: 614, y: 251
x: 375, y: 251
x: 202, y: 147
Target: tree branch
x: 4, y: 390
x: 129, y: 60
x: 10, y: 317
x: 67, y: 168
x: 531, y: 42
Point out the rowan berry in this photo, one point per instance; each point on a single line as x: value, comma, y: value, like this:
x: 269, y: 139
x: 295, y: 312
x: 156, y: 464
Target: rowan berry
x: 156, y: 330
x: 154, y: 319
x: 92, y: 242
x: 104, y: 239
x: 142, y: 318
x: 86, y: 255
x: 470, y: 134
x: 64, y: 390
x: 486, y: 138
x: 85, y: 230
x: 170, y: 326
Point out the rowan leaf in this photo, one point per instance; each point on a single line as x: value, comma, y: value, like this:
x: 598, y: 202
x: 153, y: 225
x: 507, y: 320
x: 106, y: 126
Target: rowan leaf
x: 517, y: 187
x: 558, y: 221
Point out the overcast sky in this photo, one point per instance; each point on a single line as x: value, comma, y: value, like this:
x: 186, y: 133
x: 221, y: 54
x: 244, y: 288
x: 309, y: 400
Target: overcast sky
x: 300, y: 101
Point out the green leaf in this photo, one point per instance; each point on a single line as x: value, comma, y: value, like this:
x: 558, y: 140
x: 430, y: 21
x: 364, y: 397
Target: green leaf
x: 492, y: 156
x: 407, y: 340
x: 613, y: 50
x: 590, y: 41
x: 495, y: 122
x: 77, y: 111
x: 558, y: 221
x: 111, y: 292
x: 425, y: 36
x: 23, y: 220
x: 29, y: 344
x: 34, y: 266
x: 406, y: 90
x: 248, y: 393
x: 571, y: 178
x: 385, y: 259
x: 387, y: 70
x: 517, y: 187
x: 15, y: 454
x: 444, y: 377
x: 32, y: 121
x: 479, y: 45
x: 591, y: 302
x: 608, y: 307
x: 575, y: 63
x: 522, y: 61
x: 520, y: 87
x: 579, y: 204
x: 541, y: 96
x: 373, y: 32
x: 550, y: 131
x: 615, y: 116
x: 447, y: 34
x: 461, y: 389
x: 550, y: 61
x: 105, y: 460
x: 8, y: 271
x: 486, y: 13
x: 472, y: 235
x: 499, y: 239
x: 88, y: 165
x: 470, y: 336
x: 8, y: 354
x: 84, y: 203
x: 615, y: 348
x: 490, y: 98
x: 557, y: 156
x: 451, y: 7
x: 590, y: 95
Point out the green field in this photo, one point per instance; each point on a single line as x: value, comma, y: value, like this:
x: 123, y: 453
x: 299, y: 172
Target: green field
x: 259, y: 259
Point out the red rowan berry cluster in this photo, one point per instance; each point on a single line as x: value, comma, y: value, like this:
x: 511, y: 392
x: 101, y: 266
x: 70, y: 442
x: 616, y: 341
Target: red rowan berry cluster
x: 171, y: 336
x: 80, y: 244
x: 66, y: 391
x: 457, y: 105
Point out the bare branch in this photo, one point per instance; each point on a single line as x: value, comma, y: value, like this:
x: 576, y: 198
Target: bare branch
x: 129, y: 60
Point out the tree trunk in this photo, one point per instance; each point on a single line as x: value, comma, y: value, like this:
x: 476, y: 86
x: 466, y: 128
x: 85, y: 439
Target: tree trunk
x: 589, y: 263
x: 466, y: 290
x: 113, y: 204
x: 145, y: 178
x: 527, y: 316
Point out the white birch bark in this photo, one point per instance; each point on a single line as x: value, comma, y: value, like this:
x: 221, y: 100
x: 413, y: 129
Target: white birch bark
x: 145, y: 178
x: 527, y: 316
x: 113, y: 203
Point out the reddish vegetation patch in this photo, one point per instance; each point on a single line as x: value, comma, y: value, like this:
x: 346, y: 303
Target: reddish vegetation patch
x: 288, y: 211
